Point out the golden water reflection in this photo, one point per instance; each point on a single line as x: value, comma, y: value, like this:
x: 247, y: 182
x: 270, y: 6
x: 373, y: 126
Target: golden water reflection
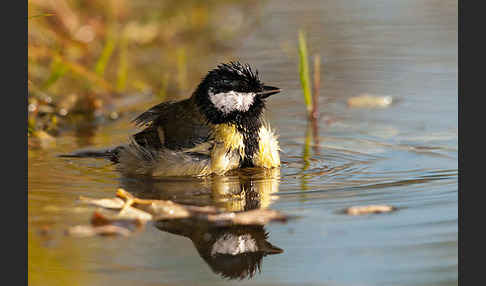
x: 234, y: 252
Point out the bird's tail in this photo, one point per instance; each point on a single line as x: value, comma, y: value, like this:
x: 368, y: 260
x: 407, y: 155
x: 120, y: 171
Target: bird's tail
x: 110, y: 154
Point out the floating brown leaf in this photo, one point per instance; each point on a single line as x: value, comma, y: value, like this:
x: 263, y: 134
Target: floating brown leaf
x: 370, y: 101
x: 88, y: 230
x: 252, y: 217
x: 111, y: 203
x: 360, y: 210
x: 126, y: 214
x: 130, y: 215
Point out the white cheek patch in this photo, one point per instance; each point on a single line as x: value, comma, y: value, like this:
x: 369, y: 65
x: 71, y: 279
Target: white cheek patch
x: 233, y: 245
x: 231, y: 101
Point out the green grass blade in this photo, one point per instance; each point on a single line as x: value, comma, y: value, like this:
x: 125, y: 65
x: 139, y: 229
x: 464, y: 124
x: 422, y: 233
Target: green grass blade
x: 304, y: 71
x: 105, y: 56
x: 58, y: 69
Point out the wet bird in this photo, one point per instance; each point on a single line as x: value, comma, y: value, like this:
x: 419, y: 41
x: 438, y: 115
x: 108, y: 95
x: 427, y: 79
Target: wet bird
x: 219, y: 128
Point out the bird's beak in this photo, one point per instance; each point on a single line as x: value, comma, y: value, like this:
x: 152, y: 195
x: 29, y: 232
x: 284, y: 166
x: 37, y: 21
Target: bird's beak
x: 268, y: 90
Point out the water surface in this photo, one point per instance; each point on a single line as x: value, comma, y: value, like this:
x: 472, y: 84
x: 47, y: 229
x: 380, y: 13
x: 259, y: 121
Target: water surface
x: 404, y: 155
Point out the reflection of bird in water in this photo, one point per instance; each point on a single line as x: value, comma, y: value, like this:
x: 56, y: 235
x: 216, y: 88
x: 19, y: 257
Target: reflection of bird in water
x: 253, y: 189
x: 243, y: 190
x: 234, y: 252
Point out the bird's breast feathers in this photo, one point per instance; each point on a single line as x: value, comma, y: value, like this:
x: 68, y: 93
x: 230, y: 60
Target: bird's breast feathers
x: 229, y: 149
x: 268, y: 149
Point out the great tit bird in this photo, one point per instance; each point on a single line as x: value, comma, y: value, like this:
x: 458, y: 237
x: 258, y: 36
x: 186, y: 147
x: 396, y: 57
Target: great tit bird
x: 221, y: 127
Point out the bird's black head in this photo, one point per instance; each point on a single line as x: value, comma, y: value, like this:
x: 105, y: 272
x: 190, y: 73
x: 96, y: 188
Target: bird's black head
x: 232, y: 93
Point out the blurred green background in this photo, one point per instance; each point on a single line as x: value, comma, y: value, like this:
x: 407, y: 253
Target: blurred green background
x: 85, y: 55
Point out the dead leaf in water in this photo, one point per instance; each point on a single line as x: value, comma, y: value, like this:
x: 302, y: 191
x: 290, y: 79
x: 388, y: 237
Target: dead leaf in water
x: 370, y: 209
x: 132, y: 224
x: 112, y: 203
x: 88, y: 230
x: 370, y: 101
x: 109, y: 222
x: 127, y: 213
x: 252, y: 217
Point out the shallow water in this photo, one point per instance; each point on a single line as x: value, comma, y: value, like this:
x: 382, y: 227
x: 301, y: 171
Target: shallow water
x: 404, y: 155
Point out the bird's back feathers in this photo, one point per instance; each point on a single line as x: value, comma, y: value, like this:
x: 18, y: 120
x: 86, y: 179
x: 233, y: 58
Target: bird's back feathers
x: 173, y: 125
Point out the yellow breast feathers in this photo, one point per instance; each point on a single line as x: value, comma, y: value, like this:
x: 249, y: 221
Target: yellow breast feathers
x: 230, y: 147
x: 268, y: 149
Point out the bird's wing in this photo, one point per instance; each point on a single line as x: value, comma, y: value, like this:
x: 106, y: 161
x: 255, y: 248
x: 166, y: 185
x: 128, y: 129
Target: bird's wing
x: 149, y: 137
x: 154, y: 114
x: 203, y: 148
x: 152, y: 119
x: 173, y: 125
